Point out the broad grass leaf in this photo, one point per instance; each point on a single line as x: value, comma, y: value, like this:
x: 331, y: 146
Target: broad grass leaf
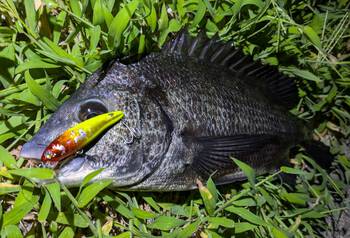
x: 290, y: 170
x: 246, y: 214
x: 107, y: 227
x: 90, y: 176
x: 30, y: 15
x: 277, y: 233
x: 120, y: 22
x: 35, y: 64
x: 139, y: 213
x: 215, y: 222
x: 295, y: 198
x: 45, y: 208
x: 296, y: 171
x: 95, y: 34
x: 6, y: 188
x: 247, y: 170
x: 6, y: 158
x: 163, y: 24
x: 124, y: 211
x: 60, y: 19
x: 11, y: 231
x: 190, y: 229
x: 211, y: 234
x: 163, y: 21
x: 110, y: 5
x: 180, y: 211
x: 107, y: 15
x: 180, y: 6
x: 200, y: 13
x: 152, y: 19
x: 166, y: 223
x: 45, y: 96
x: 241, y: 227
x: 245, y: 202
x: 210, y: 8
x: 141, y: 44
x: 57, y: 89
x: 39, y: 173
x: 303, y: 74
x: 239, y: 4
x: 312, y: 36
x: 269, y: 199
x: 54, y: 190
x: 67, y: 232
x: 8, y: 63
x: 312, y: 215
x: 89, y: 192
x: 26, y: 193
x: 76, y: 7
x: 5, y: 173
x: 98, y: 16
x: 68, y: 218
x: 208, y: 198
x: 174, y: 25
x: 16, y: 214
x: 126, y: 234
x: 150, y: 201
x: 61, y: 55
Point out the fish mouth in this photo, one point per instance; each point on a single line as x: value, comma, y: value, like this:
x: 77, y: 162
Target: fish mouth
x: 70, y: 172
x: 32, y: 150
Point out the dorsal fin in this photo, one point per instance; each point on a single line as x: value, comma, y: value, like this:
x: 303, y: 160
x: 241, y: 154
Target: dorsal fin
x: 277, y: 86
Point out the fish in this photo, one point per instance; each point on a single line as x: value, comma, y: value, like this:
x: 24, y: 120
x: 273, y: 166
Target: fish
x: 78, y: 136
x: 189, y: 109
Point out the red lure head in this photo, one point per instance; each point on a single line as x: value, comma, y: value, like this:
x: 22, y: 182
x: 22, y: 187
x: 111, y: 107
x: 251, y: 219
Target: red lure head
x: 61, y: 147
x: 54, y: 152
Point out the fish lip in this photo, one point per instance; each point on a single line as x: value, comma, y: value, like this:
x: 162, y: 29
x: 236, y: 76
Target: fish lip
x: 32, y: 150
x: 73, y: 171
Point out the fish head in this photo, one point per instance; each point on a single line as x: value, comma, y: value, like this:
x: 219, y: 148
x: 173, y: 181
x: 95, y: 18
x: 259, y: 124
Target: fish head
x: 118, y: 150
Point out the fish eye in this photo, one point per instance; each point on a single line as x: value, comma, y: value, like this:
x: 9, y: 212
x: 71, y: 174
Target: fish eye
x: 91, y: 109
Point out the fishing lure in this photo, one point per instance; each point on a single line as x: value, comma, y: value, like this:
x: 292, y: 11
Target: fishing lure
x: 78, y: 136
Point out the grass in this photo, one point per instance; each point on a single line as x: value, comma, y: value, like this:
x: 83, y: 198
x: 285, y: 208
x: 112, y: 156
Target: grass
x: 48, y: 48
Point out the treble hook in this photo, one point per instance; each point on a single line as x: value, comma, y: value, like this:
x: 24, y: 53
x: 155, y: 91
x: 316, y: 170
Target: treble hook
x: 135, y: 134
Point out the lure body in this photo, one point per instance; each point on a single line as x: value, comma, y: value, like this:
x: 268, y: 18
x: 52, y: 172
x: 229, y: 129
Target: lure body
x: 75, y: 138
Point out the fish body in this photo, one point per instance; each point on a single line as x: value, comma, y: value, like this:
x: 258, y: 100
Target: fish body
x: 189, y: 109
x: 77, y: 137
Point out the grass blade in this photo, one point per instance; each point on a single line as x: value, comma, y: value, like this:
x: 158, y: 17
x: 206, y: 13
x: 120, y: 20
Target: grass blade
x: 91, y: 191
x: 46, y: 97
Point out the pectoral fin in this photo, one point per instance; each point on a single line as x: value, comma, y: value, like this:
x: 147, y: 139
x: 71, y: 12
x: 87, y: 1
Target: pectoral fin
x: 213, y: 152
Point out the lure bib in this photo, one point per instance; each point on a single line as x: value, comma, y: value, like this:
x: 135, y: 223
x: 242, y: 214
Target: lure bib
x: 77, y: 137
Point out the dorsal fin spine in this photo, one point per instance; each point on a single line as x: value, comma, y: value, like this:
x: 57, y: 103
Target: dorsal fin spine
x: 278, y: 87
x: 217, y: 54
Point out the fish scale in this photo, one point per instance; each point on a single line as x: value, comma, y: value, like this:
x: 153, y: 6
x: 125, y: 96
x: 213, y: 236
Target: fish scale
x: 244, y: 106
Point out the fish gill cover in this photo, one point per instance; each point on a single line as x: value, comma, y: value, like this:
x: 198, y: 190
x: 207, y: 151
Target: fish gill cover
x: 49, y: 48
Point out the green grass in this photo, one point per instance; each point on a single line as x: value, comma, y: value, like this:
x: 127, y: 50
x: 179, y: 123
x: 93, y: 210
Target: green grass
x: 48, y: 48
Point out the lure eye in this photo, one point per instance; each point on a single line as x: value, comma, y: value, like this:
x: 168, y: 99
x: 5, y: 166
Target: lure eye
x: 91, y: 109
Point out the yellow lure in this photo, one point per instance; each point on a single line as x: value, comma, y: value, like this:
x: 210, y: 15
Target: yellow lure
x: 78, y: 136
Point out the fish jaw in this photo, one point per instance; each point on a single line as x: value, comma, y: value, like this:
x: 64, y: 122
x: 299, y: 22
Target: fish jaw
x: 72, y: 173
x: 32, y: 150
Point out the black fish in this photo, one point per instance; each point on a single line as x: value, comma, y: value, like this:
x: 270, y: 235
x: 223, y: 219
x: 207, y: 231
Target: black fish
x: 188, y: 109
